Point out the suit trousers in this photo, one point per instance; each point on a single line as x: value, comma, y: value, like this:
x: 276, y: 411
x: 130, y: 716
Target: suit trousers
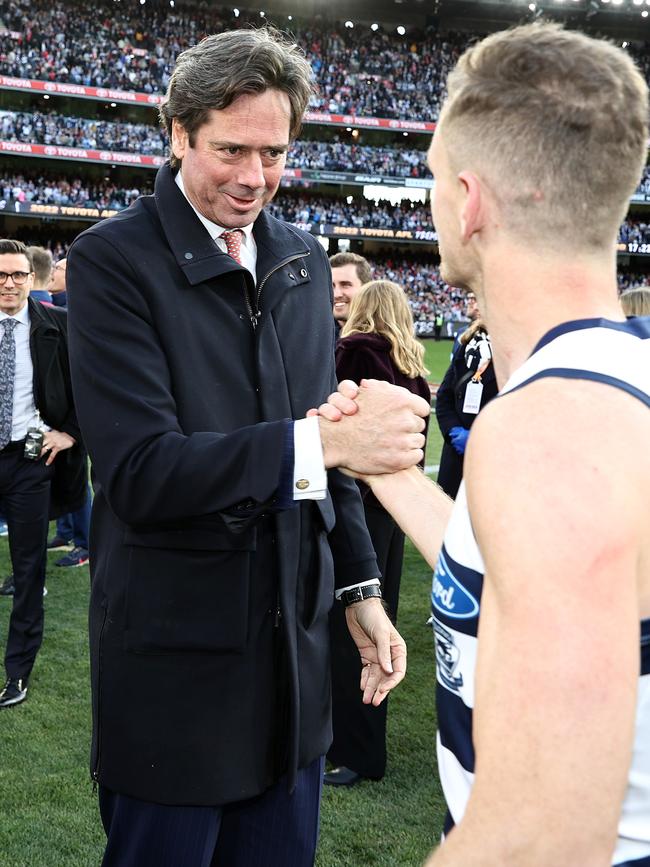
x: 25, y: 501
x: 276, y: 829
x: 360, y: 729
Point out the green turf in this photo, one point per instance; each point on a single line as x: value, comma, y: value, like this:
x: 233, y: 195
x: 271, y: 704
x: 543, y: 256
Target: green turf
x: 48, y: 813
x: 436, y: 359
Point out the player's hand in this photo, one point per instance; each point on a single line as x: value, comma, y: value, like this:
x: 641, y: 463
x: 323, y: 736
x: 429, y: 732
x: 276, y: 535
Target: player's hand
x: 339, y: 403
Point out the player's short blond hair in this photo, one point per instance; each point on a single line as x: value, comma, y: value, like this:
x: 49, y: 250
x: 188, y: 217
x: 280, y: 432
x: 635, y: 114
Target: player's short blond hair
x: 556, y: 124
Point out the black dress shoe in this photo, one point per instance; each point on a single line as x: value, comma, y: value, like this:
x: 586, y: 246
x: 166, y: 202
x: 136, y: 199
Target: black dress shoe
x: 14, y: 691
x: 342, y: 777
x: 7, y: 588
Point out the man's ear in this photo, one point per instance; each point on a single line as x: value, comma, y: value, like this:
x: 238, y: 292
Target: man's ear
x: 472, y: 216
x: 179, y: 139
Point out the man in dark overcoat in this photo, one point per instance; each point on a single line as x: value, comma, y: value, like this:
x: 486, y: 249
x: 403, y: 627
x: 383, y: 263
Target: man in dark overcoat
x: 200, y: 327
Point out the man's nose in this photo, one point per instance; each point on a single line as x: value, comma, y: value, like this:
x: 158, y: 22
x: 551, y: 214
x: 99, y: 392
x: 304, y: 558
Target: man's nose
x: 251, y: 173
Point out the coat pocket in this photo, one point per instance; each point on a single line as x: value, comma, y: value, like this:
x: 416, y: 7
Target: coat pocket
x: 182, y: 600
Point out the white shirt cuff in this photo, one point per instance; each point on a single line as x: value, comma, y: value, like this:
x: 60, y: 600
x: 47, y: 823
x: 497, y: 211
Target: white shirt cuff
x: 309, y: 474
x: 338, y: 593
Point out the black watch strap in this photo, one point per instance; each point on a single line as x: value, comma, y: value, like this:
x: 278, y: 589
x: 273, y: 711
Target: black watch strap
x: 358, y: 594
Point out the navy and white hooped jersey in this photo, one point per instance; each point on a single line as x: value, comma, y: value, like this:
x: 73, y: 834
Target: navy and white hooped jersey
x: 616, y: 353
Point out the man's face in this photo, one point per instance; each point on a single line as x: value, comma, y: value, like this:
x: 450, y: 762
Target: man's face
x: 446, y: 204
x: 57, y: 278
x: 346, y: 283
x: 236, y: 164
x: 13, y: 297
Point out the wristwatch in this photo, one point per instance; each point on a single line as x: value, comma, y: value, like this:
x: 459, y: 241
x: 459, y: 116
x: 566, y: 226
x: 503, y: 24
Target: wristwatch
x: 358, y: 594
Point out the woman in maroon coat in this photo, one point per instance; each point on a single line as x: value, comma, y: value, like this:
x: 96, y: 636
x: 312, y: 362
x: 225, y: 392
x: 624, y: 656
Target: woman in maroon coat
x: 377, y: 342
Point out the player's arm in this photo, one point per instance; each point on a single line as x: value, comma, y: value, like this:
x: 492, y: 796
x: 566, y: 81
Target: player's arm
x: 557, y: 518
x: 418, y: 505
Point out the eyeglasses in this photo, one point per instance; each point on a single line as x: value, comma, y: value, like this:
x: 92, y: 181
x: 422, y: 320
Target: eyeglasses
x: 18, y: 277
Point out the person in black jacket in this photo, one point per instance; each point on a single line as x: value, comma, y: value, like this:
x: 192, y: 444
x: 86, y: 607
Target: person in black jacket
x: 471, y: 368
x: 216, y: 536
x: 36, y: 408
x: 377, y: 342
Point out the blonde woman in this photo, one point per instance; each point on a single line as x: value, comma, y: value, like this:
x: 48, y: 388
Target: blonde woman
x: 377, y: 342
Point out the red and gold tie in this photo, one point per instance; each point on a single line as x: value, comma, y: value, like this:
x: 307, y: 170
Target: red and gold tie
x: 233, y: 241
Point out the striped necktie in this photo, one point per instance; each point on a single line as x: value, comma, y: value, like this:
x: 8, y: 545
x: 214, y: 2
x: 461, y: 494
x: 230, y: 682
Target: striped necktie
x: 7, y: 377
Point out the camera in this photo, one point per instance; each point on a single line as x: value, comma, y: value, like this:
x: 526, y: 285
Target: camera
x: 33, y: 444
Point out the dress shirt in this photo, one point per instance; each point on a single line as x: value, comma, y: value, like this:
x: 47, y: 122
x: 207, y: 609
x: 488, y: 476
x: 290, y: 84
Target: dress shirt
x: 248, y: 245
x: 309, y: 474
x: 24, y: 413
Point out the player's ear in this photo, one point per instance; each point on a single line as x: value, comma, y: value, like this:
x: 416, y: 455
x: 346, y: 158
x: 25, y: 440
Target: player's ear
x: 472, y: 210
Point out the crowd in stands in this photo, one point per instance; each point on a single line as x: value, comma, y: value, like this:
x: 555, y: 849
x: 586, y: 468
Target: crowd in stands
x: 634, y: 230
x: 54, y: 129
x: 644, y: 185
x: 318, y: 209
x: 341, y: 157
x: 44, y: 189
x: 133, y: 46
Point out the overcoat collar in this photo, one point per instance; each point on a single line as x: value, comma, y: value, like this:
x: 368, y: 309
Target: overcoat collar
x: 198, y: 256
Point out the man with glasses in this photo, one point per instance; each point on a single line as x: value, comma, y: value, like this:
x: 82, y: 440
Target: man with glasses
x: 41, y: 463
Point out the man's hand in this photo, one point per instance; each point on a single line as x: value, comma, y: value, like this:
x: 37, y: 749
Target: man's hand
x: 372, y: 428
x: 55, y: 441
x: 381, y: 647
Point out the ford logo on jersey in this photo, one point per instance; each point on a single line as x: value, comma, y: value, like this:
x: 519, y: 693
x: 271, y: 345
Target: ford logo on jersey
x: 449, y: 596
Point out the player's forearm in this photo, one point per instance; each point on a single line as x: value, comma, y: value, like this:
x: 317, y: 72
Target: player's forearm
x: 418, y: 505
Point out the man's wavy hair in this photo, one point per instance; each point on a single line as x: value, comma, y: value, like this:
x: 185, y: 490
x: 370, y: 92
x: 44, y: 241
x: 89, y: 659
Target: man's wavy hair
x: 556, y: 124
x: 225, y: 66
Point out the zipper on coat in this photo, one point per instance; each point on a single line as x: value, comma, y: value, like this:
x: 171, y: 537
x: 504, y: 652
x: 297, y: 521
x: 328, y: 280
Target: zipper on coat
x: 254, y: 314
x: 95, y: 771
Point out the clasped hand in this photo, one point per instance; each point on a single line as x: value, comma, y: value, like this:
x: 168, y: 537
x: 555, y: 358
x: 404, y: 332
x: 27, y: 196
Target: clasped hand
x: 372, y: 428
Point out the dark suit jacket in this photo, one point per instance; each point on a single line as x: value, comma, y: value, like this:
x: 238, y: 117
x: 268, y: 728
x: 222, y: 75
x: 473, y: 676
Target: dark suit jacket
x: 48, y: 344
x: 184, y: 409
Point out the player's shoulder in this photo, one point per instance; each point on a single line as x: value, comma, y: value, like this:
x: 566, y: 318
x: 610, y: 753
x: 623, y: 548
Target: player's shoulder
x: 580, y: 437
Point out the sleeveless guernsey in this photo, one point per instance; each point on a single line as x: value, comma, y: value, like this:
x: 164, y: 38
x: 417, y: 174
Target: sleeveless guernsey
x: 616, y: 353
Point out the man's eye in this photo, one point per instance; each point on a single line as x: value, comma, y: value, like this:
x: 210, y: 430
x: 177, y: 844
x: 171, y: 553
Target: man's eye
x: 274, y: 154
x: 232, y: 151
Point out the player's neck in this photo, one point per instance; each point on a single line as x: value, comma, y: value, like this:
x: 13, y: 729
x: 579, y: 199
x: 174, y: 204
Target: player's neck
x: 524, y: 295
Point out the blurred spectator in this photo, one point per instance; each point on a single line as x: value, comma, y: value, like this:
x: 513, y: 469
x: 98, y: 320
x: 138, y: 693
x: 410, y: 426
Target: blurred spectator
x: 42, y: 264
x: 468, y: 385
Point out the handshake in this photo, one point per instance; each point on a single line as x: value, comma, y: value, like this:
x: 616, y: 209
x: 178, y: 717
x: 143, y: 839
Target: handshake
x: 372, y: 428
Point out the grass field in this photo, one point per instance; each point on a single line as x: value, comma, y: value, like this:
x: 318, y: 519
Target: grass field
x: 48, y: 813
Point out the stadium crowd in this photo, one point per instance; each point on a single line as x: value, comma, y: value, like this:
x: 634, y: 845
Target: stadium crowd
x: 55, y: 129
x: 341, y: 157
x: 321, y: 209
x: 44, y: 189
x: 634, y: 231
x: 133, y: 47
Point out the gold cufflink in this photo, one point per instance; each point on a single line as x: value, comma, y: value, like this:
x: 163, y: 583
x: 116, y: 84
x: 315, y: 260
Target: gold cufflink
x: 302, y: 484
